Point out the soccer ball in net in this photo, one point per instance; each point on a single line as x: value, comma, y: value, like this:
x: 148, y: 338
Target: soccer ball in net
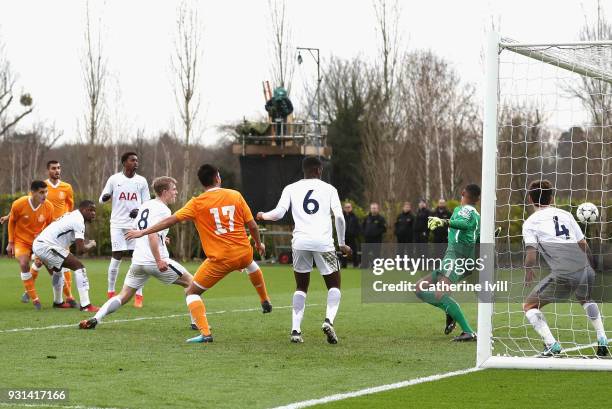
x: 587, y: 212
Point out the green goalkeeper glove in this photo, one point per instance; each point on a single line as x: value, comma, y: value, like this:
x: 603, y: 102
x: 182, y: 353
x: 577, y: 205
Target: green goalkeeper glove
x: 435, y: 222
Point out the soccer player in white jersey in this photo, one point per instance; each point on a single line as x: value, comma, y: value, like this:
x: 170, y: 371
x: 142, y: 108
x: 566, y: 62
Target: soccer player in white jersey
x: 51, y: 248
x: 557, y: 237
x: 312, y: 203
x: 127, y: 191
x: 150, y: 257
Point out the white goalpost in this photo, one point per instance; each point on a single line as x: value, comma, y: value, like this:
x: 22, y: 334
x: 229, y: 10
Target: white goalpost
x: 547, y: 115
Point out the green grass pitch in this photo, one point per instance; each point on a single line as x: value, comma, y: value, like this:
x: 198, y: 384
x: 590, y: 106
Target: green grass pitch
x: 147, y: 364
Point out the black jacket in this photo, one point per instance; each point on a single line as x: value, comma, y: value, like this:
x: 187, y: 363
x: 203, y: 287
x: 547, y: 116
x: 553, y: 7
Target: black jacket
x: 373, y: 228
x: 353, y: 229
x: 404, y: 227
x: 440, y: 235
x: 279, y: 108
x: 420, y: 222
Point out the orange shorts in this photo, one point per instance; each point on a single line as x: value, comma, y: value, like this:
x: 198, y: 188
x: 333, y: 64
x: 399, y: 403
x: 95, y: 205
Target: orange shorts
x: 23, y: 249
x: 211, y: 271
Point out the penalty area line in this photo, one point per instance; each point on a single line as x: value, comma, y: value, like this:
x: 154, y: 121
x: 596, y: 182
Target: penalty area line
x: 376, y: 389
x: 162, y: 317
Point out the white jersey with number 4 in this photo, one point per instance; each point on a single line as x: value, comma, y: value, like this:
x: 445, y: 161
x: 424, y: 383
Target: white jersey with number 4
x: 150, y: 213
x: 127, y: 194
x: 312, y: 203
x: 555, y: 233
x: 64, y: 231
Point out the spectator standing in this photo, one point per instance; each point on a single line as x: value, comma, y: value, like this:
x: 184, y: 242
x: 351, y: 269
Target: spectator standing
x: 353, y: 230
x: 404, y: 225
x: 374, y: 226
x: 440, y: 235
x: 421, y: 232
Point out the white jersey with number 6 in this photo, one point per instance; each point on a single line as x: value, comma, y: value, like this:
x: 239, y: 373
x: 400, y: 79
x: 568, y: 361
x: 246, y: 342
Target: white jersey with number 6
x: 312, y: 203
x: 555, y: 234
x: 149, y: 214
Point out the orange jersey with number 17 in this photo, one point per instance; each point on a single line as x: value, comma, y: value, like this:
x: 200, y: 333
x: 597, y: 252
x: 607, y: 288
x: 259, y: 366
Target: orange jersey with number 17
x: 220, y: 216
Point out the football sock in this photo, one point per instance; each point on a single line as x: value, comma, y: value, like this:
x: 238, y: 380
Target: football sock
x: 536, y: 318
x: 67, y: 283
x: 109, y: 307
x: 333, y: 302
x: 258, y: 282
x: 28, y: 283
x: 57, y: 282
x: 113, y: 272
x: 449, y: 306
x: 82, y: 284
x: 592, y: 311
x: 139, y: 292
x: 198, y: 312
x: 34, y: 271
x: 454, y: 310
x: 299, y: 305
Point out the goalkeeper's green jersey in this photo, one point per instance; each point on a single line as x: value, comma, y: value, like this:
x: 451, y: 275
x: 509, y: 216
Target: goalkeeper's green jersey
x: 463, y: 230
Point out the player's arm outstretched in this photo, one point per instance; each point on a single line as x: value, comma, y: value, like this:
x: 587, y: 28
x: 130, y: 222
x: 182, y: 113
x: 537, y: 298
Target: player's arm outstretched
x: 161, y: 225
x: 279, y: 211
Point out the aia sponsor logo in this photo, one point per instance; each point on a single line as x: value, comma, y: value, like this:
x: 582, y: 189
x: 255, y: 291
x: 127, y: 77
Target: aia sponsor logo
x: 127, y: 196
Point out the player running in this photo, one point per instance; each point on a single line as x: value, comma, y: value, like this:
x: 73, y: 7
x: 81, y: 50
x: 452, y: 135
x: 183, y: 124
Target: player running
x: 127, y: 191
x: 28, y: 217
x: 312, y: 203
x: 463, y: 235
x: 61, y: 197
x: 150, y: 257
x: 220, y: 216
x: 557, y: 237
x: 52, y: 245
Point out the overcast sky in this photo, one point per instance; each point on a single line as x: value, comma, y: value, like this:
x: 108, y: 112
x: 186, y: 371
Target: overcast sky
x: 44, y: 41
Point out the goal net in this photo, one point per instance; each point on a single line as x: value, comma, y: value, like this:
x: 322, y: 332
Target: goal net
x: 548, y: 115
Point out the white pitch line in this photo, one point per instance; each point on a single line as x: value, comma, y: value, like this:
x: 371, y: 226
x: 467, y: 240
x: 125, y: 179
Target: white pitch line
x: 140, y: 319
x: 50, y: 405
x: 376, y: 389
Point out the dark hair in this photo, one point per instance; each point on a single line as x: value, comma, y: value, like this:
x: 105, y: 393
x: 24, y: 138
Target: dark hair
x: 126, y: 156
x: 541, y: 192
x: 310, y: 164
x: 162, y: 183
x: 473, y: 191
x: 86, y: 204
x: 37, y: 184
x: 207, y: 174
x: 52, y: 162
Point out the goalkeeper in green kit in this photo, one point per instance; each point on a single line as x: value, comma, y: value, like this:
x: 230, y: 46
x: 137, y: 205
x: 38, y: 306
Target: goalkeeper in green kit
x: 463, y: 235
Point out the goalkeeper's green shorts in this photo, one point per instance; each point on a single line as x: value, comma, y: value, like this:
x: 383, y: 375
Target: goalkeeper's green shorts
x: 453, y: 269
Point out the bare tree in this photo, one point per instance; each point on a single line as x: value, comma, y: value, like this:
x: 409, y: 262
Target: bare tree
x: 94, y: 68
x: 384, y: 115
x: 186, y: 63
x: 8, y: 94
x: 283, y: 64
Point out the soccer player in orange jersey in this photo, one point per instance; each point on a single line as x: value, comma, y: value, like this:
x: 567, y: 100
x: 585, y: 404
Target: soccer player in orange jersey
x: 28, y: 217
x: 61, y: 197
x: 220, y: 216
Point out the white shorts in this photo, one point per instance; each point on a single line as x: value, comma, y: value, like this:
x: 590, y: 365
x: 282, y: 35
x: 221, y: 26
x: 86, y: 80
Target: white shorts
x: 51, y: 256
x: 118, y: 241
x: 326, y: 261
x: 138, y: 275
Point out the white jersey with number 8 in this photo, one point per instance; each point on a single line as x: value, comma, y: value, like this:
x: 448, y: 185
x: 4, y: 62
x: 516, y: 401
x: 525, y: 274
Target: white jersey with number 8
x: 150, y: 213
x: 312, y: 203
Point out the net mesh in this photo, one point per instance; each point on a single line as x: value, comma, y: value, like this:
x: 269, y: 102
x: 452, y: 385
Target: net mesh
x: 555, y: 123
